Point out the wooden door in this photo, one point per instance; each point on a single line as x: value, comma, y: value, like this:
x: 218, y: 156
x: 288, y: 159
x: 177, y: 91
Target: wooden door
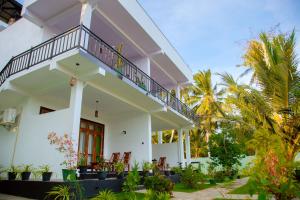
x: 91, y: 140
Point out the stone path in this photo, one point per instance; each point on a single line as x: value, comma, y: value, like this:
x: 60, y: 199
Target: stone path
x: 219, y: 191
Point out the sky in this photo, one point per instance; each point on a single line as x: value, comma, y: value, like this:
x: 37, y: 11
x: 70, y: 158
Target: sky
x: 212, y: 34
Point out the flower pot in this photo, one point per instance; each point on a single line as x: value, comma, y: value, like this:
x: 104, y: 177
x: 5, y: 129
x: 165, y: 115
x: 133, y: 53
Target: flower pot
x: 12, y: 176
x: 46, y: 176
x: 69, y: 174
x: 83, y: 169
x: 120, y: 175
x: 297, y: 174
x: 102, y: 175
x: 25, y: 176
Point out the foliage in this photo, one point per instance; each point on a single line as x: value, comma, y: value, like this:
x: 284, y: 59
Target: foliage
x: 61, y: 192
x: 180, y: 187
x: 13, y: 169
x: 64, y: 144
x: 176, y: 170
x: 26, y: 168
x: 44, y: 168
x: 152, y: 195
x: 147, y: 166
x: 105, y: 195
x: 159, y: 183
x: 131, y: 182
x: 191, y: 178
x: 226, y: 151
x: 205, y: 98
x: 119, y: 166
x: 270, y: 111
x: 82, y: 160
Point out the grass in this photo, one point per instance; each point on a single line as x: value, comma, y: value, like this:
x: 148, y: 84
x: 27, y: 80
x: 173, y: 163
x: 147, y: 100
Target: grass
x: 241, y: 190
x: 179, y: 187
x: 121, y: 196
x: 226, y: 199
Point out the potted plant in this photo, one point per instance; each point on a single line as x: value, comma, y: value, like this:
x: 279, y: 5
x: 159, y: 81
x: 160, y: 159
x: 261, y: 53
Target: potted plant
x: 64, y: 144
x: 26, y: 172
x: 146, y: 166
x: 102, y: 169
x: 82, y: 164
x: 12, y: 173
x: 119, y: 166
x: 46, y: 173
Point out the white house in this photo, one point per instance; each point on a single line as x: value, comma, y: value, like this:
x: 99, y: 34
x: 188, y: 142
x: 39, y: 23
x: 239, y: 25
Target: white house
x: 119, y: 64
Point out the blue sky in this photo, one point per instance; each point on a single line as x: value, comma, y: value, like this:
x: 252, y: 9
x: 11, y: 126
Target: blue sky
x: 212, y: 34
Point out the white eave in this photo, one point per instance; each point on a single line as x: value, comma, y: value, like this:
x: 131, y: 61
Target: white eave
x: 150, y: 28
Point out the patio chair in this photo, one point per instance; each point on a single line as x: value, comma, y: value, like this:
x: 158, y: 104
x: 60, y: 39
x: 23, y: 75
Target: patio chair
x: 115, y: 157
x: 126, y: 160
x: 162, y: 163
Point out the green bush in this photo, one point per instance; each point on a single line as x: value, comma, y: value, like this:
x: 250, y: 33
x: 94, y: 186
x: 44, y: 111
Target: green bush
x: 152, y: 195
x: 191, y: 178
x: 105, y: 195
x: 131, y: 182
x: 159, y: 183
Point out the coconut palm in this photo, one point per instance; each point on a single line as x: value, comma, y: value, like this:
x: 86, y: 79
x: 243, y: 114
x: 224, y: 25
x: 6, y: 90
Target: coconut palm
x: 205, y: 99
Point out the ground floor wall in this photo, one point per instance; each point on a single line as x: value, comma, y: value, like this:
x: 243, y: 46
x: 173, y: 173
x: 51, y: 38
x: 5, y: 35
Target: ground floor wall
x: 30, y: 145
x: 168, y: 150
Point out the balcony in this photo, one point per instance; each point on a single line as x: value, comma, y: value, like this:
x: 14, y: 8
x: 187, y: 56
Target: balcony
x: 82, y: 38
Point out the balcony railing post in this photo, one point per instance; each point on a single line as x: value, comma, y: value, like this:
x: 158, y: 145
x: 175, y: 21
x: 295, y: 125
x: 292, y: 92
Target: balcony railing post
x: 80, y: 32
x: 30, y: 53
x: 10, y: 66
x: 52, y: 48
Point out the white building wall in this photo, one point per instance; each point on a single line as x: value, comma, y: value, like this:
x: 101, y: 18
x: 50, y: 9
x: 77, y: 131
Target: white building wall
x: 168, y: 150
x: 17, y: 38
x: 137, y: 139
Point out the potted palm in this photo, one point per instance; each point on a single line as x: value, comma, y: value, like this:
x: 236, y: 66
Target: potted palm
x: 82, y: 164
x: 26, y: 172
x: 12, y: 173
x: 102, y: 169
x: 146, y: 167
x: 120, y: 167
x: 46, y: 173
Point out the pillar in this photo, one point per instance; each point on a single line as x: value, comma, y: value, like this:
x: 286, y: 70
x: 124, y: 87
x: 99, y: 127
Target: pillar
x: 160, y: 137
x: 180, y: 146
x: 177, y: 90
x: 188, y: 147
x: 75, y: 111
x: 85, y: 19
x: 149, y: 139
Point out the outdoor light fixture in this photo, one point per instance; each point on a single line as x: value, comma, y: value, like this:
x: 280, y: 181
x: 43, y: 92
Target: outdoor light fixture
x: 124, y: 132
x: 96, y: 111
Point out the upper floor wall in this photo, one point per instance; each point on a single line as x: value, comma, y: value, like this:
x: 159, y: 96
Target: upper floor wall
x: 18, y: 37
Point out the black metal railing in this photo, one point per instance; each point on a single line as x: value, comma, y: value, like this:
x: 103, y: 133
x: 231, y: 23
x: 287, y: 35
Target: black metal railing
x: 82, y: 37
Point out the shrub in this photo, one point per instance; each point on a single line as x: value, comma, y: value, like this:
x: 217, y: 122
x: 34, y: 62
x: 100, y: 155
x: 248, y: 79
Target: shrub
x: 152, y: 195
x: 159, y: 183
x: 60, y: 192
x: 191, y: 178
x: 131, y: 182
x: 105, y: 195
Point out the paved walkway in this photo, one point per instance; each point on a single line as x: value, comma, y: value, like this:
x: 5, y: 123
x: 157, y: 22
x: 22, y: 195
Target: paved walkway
x: 10, y: 197
x: 219, y: 191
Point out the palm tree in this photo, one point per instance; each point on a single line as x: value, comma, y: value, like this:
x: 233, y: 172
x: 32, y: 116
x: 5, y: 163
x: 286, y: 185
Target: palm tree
x: 205, y: 100
x: 273, y: 62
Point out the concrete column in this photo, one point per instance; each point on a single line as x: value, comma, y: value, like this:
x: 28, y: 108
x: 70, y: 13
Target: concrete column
x: 75, y: 110
x: 180, y: 146
x: 160, y: 137
x: 149, y: 139
x: 177, y: 90
x: 86, y: 19
x: 188, y: 147
x: 143, y: 64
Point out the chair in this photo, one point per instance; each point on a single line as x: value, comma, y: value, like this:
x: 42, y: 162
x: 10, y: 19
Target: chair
x: 162, y: 163
x: 126, y: 160
x: 115, y: 157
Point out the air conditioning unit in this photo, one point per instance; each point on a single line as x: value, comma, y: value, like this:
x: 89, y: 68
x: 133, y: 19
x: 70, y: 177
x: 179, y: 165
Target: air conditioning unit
x: 8, y: 117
